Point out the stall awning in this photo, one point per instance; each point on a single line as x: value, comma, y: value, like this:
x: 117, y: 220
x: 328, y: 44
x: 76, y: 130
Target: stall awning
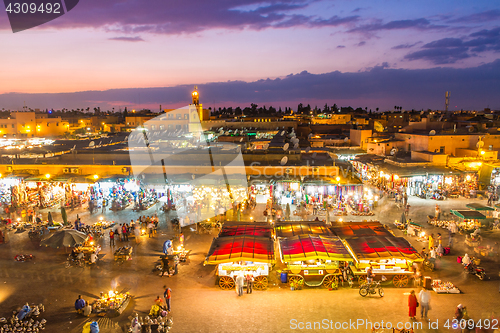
x: 380, y: 247
x: 246, y: 230
x: 287, y: 229
x: 478, y: 206
x: 240, y: 248
x: 312, y: 247
x: 359, y: 229
x: 468, y: 214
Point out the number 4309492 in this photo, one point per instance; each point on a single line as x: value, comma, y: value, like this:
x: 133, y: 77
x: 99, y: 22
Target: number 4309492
x: 32, y: 8
x: 471, y: 324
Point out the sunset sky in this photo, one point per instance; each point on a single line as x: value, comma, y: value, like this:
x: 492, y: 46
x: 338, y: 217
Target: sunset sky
x: 277, y: 52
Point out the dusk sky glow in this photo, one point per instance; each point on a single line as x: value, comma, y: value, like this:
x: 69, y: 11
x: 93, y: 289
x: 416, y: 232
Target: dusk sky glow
x: 358, y: 53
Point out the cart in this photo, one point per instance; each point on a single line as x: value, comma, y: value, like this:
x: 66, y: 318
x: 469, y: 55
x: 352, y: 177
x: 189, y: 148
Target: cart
x: 389, y: 256
x: 239, y: 255
x: 314, y: 260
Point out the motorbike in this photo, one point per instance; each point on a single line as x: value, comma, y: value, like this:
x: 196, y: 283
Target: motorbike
x: 371, y: 288
x: 472, y: 268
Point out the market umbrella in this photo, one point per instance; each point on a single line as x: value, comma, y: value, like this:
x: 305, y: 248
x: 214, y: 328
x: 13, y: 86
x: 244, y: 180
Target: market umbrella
x: 64, y: 216
x: 49, y: 218
x: 65, y: 238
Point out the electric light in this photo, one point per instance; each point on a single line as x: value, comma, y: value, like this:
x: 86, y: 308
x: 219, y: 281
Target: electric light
x: 96, y: 177
x: 482, y: 152
x: 468, y: 177
x: 47, y: 175
x: 396, y: 177
x: 337, y: 178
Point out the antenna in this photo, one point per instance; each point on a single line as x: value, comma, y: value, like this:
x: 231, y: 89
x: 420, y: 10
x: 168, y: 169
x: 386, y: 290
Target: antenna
x: 447, y: 100
x: 284, y: 160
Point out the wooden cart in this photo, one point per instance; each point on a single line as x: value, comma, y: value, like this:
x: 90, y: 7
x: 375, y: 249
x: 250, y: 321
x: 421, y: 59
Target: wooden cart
x: 241, y: 255
x: 314, y: 260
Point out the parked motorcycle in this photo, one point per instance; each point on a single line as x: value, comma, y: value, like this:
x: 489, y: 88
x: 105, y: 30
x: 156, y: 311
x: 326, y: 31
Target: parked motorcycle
x: 472, y: 268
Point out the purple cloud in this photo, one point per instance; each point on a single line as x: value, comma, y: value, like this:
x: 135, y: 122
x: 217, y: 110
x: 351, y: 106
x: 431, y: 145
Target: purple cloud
x: 419, y: 24
x: 191, y: 16
x: 361, y: 43
x: 489, y: 15
x: 404, y: 46
x: 473, y: 88
x: 450, y: 50
x: 340, y: 46
x: 128, y: 39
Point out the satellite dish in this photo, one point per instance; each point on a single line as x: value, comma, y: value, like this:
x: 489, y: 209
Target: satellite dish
x: 296, y: 146
x: 393, y: 151
x: 480, y: 144
x: 241, y: 139
x: 282, y: 133
x: 307, y: 149
x: 346, y: 139
x: 236, y: 132
x: 91, y: 144
x: 227, y: 133
x: 471, y: 129
x: 314, y: 155
x: 221, y: 131
x: 266, y: 146
x: 285, y: 147
x: 310, y: 135
x: 284, y: 160
x: 432, y: 132
x: 74, y: 147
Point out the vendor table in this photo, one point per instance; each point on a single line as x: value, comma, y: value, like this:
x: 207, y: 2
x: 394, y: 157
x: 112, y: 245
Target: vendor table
x: 111, y: 304
x: 123, y: 253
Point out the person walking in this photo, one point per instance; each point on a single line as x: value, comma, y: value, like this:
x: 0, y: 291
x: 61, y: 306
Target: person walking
x: 167, y: 294
x: 111, y: 237
x: 249, y: 283
x: 119, y: 230
x: 438, y: 212
x: 431, y: 241
x: 125, y: 232
x: 240, y: 281
x: 165, y: 266
x: 425, y: 301
x: 412, y: 305
x: 150, y: 229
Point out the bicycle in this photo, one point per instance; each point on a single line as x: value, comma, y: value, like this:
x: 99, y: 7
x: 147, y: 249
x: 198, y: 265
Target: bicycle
x: 371, y: 288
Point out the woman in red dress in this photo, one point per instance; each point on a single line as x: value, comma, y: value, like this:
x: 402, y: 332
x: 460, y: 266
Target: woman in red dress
x: 412, y: 305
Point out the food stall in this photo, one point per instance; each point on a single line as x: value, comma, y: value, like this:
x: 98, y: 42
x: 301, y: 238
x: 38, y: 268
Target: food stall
x: 313, y: 260
x: 469, y: 220
x: 291, y: 229
x: 111, y: 304
x: 359, y: 229
x: 486, y: 210
x: 388, y: 255
x: 123, y: 253
x: 248, y: 229
x: 241, y: 255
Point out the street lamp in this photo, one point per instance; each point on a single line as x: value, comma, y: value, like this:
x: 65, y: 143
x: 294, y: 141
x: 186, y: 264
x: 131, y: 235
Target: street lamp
x: 47, y: 175
x: 96, y: 177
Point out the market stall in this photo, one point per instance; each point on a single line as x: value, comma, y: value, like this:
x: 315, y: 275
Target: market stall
x: 111, y: 304
x: 441, y: 287
x: 123, y: 253
x: 486, y: 210
x: 388, y: 255
x: 241, y: 255
x: 248, y: 229
x: 359, y: 229
x: 290, y: 229
x: 469, y: 220
x: 314, y: 260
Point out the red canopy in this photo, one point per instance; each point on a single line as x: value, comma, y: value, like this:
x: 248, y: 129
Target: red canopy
x: 246, y: 230
x: 288, y: 229
x: 379, y: 247
x: 241, y: 248
x: 359, y: 229
x: 310, y: 247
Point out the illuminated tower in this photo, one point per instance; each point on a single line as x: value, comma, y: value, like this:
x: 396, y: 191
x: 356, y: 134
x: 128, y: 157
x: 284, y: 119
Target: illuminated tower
x: 195, y: 112
x: 196, y: 96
